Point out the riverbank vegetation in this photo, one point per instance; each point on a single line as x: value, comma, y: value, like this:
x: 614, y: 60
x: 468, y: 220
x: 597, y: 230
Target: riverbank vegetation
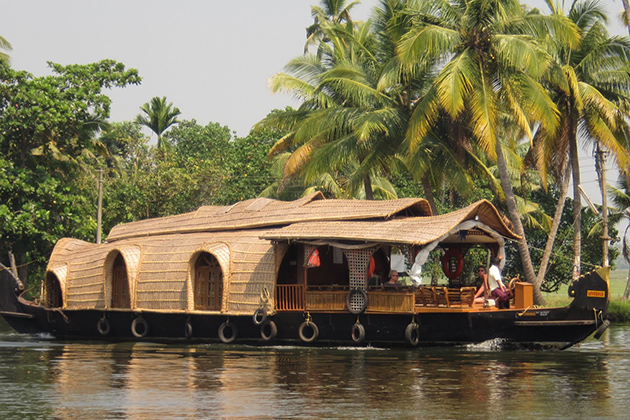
x: 454, y: 101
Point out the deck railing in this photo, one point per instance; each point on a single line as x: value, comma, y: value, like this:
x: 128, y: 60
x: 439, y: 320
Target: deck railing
x: 295, y: 297
x: 290, y: 297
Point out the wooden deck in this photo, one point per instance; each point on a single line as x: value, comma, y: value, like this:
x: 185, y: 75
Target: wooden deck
x: 396, y: 300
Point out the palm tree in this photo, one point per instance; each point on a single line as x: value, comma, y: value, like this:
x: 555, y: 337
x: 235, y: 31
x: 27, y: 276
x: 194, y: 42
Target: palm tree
x: 591, y: 86
x: 4, y: 45
x: 626, y: 13
x: 621, y: 199
x: 158, y: 116
x: 357, y: 99
x: 489, y: 62
x: 332, y: 11
x: 346, y: 122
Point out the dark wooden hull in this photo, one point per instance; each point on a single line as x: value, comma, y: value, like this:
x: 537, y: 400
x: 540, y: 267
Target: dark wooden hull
x: 549, y: 327
x: 541, y: 327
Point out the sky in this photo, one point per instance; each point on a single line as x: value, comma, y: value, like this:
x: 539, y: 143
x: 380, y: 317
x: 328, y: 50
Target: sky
x: 211, y: 58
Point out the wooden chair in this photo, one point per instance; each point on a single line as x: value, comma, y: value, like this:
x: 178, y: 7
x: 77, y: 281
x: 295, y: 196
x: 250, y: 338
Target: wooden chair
x: 467, y: 296
x: 425, y: 296
x: 454, y: 296
x: 441, y: 296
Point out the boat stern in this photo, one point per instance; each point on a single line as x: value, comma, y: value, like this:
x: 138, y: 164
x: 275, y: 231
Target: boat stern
x: 591, y: 291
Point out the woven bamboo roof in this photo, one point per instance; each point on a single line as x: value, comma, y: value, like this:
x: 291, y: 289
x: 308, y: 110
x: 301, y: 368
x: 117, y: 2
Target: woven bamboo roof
x: 408, y: 230
x: 265, y: 212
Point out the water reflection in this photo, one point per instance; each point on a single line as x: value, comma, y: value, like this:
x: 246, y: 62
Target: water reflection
x: 47, y: 379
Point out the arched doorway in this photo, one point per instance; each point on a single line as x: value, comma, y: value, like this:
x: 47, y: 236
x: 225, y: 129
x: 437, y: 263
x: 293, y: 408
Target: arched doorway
x: 120, y: 284
x: 208, y: 283
x: 54, y: 298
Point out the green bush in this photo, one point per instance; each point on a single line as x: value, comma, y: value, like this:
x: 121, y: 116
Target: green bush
x: 619, y: 311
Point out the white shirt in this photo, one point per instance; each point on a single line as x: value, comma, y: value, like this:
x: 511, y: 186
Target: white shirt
x: 494, y: 277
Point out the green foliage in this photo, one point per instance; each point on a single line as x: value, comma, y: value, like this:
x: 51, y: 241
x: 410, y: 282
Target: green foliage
x: 4, y: 45
x: 158, y: 116
x: 191, y: 140
x: 560, y: 268
x: 47, y: 127
x: 619, y: 311
x: 247, y: 168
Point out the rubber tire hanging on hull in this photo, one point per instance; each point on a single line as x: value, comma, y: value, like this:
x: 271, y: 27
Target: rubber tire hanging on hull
x: 232, y: 328
x: 273, y: 330
x: 313, y: 327
x: 188, y: 329
x: 260, y: 316
x: 145, y: 327
x: 103, y: 326
x: 412, y: 334
x: 358, y: 333
x: 364, y: 303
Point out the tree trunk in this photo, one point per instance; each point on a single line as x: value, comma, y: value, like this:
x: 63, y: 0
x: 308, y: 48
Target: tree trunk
x: 367, y: 184
x: 428, y: 194
x: 600, y: 166
x: 564, y: 190
x: 577, y: 201
x: 626, y: 292
x: 515, y: 217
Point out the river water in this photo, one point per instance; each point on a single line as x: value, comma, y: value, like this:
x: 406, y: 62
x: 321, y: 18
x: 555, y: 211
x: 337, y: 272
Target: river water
x: 44, y: 378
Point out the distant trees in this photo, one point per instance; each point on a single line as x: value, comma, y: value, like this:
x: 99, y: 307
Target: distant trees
x: 47, y: 141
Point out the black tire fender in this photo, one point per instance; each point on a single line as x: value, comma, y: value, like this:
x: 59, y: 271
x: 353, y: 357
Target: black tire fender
x: 227, y: 325
x: 103, y: 326
x: 144, y: 325
x: 349, y: 299
x: 601, y: 329
x: 260, y: 316
x: 304, y: 326
x: 358, y: 333
x: 412, y: 334
x: 188, y: 329
x: 270, y: 327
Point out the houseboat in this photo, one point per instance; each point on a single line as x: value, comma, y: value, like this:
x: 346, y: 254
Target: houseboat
x: 310, y: 271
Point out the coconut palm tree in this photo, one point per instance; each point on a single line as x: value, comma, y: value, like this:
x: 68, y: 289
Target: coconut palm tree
x: 626, y: 13
x: 621, y: 199
x: 357, y: 99
x: 335, y: 11
x: 489, y: 64
x: 158, y: 116
x: 4, y: 45
x: 591, y: 86
x: 346, y: 122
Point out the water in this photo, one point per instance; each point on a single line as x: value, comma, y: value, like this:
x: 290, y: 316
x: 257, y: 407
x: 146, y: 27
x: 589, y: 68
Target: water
x: 43, y: 378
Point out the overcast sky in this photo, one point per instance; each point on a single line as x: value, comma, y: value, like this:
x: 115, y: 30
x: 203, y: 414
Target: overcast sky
x: 211, y: 58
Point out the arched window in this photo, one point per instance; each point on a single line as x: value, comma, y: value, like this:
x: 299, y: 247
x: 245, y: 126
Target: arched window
x: 54, y: 298
x: 208, y: 283
x: 120, y: 284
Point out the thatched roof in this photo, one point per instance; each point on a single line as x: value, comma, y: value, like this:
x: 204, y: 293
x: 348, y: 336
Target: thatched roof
x: 265, y: 212
x: 408, y: 230
x: 160, y: 254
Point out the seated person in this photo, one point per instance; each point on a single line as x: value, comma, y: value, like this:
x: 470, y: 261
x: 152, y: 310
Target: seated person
x: 480, y: 283
x: 393, y: 279
x: 498, y: 291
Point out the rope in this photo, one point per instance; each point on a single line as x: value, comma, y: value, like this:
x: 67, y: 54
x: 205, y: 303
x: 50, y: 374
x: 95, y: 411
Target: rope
x: 524, y: 312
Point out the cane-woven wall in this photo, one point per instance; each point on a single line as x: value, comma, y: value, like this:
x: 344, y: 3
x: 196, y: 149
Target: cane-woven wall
x: 159, y: 270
